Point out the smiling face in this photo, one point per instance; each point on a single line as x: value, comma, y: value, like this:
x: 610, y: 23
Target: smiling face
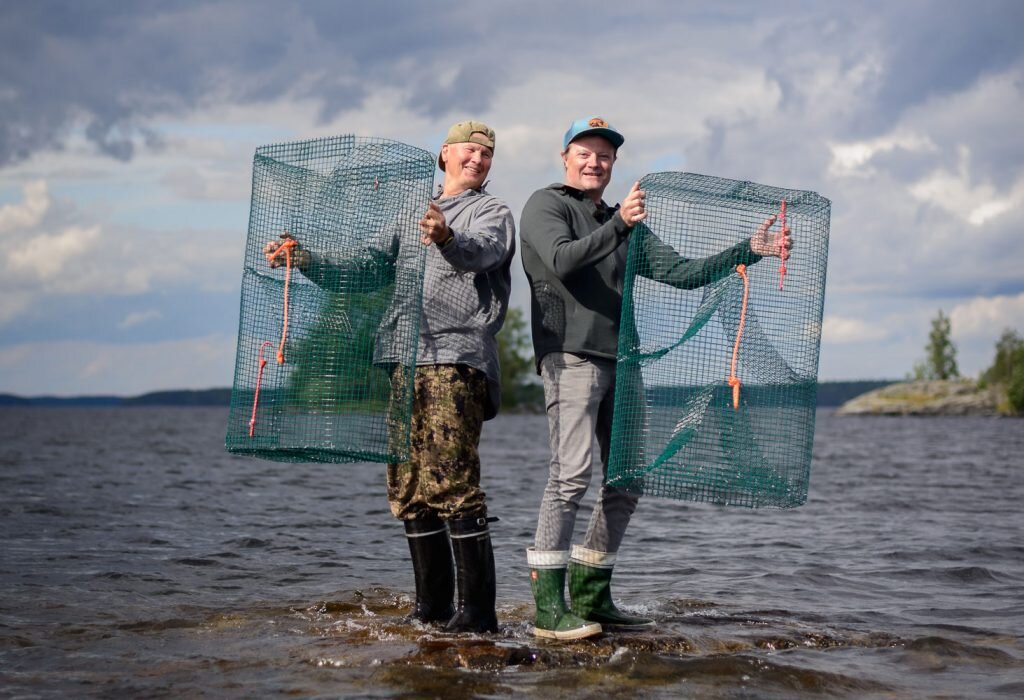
x: 588, y: 165
x: 466, y: 166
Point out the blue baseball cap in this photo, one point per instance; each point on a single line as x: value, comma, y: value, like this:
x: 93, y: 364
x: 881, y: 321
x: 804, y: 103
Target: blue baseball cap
x: 593, y: 126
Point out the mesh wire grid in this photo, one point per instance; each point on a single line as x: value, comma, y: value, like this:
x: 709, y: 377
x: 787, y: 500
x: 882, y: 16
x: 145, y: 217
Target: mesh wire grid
x: 676, y: 431
x: 347, y: 323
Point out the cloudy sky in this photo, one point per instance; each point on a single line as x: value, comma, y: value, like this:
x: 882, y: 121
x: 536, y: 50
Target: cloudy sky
x: 128, y: 129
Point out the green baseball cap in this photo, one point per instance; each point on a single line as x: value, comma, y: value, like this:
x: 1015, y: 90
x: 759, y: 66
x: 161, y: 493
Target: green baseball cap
x: 468, y: 132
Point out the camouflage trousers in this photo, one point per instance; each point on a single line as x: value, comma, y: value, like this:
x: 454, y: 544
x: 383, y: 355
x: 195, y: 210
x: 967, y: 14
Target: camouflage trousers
x: 442, y: 475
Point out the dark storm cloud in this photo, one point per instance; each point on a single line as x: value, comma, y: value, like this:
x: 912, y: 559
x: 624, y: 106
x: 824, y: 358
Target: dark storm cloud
x: 112, y: 65
x: 941, y: 47
x: 925, y: 49
x: 929, y: 49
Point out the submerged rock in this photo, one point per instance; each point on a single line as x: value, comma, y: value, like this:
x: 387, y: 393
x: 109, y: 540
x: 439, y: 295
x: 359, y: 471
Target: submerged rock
x: 924, y: 398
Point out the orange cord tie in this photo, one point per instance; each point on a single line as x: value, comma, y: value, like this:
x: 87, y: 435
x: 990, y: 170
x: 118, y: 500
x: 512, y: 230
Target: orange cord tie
x: 782, y: 243
x: 286, y: 248
x: 256, y: 397
x: 734, y: 381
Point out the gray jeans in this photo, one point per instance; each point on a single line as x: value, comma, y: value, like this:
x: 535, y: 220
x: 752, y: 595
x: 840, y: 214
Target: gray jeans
x: 579, y: 395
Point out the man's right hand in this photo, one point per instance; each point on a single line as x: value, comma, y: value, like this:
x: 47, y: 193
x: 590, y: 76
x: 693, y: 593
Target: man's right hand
x: 771, y: 243
x: 276, y: 257
x: 633, y: 210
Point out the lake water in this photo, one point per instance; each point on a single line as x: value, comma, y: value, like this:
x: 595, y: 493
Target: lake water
x: 140, y: 560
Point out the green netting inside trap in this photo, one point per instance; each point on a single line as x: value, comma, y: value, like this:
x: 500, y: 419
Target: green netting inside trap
x: 676, y: 431
x: 344, y: 390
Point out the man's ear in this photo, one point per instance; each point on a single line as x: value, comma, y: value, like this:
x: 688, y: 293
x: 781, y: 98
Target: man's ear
x: 444, y: 154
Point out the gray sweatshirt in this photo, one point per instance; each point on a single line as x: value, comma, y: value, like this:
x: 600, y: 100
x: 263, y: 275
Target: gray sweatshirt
x: 466, y: 285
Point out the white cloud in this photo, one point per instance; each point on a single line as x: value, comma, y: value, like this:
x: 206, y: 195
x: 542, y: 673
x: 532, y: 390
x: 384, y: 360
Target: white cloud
x: 955, y: 193
x: 56, y: 251
x: 987, y: 316
x: 39, y: 259
x: 854, y: 158
x: 841, y: 331
x: 16, y: 217
x: 139, y: 317
x: 47, y: 257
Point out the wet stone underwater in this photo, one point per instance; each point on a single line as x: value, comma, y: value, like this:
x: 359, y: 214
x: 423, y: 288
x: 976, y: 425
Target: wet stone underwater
x: 141, y: 560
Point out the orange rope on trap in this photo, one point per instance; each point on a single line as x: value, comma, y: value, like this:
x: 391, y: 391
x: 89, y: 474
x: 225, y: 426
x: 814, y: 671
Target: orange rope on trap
x: 256, y: 396
x: 286, y: 248
x: 741, y: 269
x: 734, y: 381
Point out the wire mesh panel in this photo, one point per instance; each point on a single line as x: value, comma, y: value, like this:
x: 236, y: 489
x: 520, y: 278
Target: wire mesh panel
x: 717, y: 365
x: 327, y: 339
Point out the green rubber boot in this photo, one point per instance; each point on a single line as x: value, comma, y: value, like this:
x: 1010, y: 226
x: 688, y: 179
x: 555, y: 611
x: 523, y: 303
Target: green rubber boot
x: 590, y: 579
x: 547, y: 581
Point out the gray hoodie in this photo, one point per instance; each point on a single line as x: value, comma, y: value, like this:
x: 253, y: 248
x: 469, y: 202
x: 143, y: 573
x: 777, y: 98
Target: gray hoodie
x: 466, y: 285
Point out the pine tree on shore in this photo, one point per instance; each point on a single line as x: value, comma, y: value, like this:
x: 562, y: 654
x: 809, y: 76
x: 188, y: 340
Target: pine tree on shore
x: 940, y: 353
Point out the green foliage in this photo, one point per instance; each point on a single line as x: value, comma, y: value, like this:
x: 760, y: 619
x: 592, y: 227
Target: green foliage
x: 940, y: 353
x: 1007, y: 369
x: 516, y: 359
x: 1008, y: 354
x: 919, y: 373
x: 1015, y: 390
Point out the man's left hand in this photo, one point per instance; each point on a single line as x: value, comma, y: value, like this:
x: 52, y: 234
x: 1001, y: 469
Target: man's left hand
x: 771, y: 243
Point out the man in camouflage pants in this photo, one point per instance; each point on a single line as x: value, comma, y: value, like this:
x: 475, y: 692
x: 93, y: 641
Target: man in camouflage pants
x: 466, y: 288
x: 470, y: 236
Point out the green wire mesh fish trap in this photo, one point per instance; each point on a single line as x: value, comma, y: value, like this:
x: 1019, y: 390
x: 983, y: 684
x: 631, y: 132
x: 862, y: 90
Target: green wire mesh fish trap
x: 717, y: 376
x: 327, y: 340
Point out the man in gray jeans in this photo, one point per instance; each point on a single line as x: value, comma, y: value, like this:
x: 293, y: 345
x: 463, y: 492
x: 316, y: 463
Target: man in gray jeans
x: 574, y: 254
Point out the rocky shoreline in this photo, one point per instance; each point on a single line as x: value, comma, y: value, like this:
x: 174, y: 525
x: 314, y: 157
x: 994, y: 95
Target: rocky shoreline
x: 931, y: 398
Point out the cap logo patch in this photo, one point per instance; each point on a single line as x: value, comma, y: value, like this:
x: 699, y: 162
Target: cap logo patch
x: 598, y: 122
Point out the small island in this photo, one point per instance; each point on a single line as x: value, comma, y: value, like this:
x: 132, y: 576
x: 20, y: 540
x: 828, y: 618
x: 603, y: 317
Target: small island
x: 935, y: 387
x: 926, y: 398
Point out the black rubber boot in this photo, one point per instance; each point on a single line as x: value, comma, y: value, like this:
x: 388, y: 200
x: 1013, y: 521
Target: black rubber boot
x: 433, y: 569
x: 474, y: 566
